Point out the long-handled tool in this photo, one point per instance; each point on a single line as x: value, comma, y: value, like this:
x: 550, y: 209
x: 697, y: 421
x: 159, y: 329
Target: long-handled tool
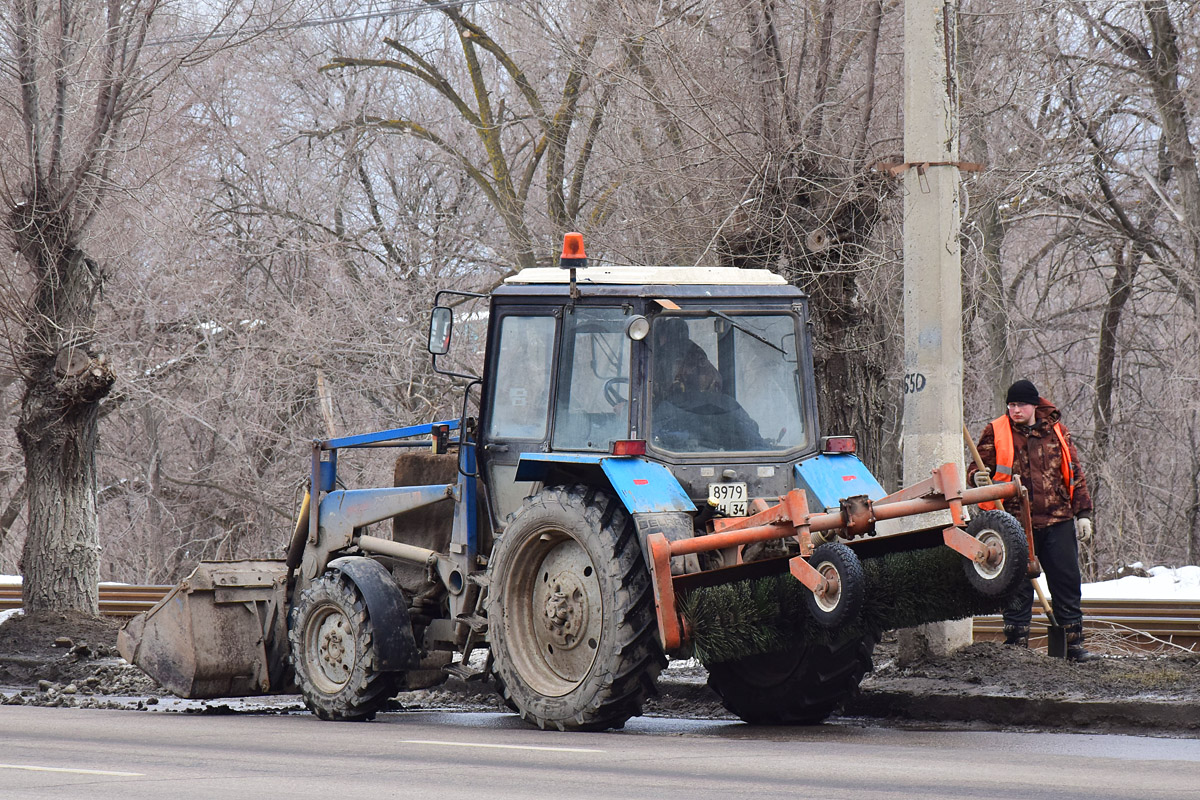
x: 1056, y: 637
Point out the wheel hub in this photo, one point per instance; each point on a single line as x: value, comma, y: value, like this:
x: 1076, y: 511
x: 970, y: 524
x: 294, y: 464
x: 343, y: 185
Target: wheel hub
x: 566, y: 611
x: 335, y: 649
x: 993, y: 560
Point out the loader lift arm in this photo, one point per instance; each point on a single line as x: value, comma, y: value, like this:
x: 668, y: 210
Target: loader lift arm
x: 342, y: 512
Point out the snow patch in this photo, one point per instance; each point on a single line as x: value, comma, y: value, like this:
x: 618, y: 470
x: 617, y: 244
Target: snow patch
x: 1164, y: 583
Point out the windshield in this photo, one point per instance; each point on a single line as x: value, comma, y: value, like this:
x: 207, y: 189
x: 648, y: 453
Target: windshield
x: 725, y: 382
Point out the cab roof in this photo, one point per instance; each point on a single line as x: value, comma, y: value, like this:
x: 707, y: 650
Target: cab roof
x: 650, y: 276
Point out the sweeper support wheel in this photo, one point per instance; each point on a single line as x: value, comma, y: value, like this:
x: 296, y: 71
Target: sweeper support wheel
x: 838, y: 598
x: 1007, y: 557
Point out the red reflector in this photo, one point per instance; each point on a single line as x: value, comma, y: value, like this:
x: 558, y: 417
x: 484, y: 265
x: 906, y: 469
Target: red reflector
x: 640, y: 481
x: 839, y: 444
x: 629, y: 447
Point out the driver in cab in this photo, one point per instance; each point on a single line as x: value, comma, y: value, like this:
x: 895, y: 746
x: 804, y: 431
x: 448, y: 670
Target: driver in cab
x: 690, y: 407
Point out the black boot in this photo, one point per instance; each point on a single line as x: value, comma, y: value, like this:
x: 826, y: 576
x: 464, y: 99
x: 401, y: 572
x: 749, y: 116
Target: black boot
x: 1017, y: 635
x: 1075, y: 649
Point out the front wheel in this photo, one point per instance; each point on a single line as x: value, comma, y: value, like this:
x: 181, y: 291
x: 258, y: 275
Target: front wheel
x: 802, y: 686
x: 334, y: 653
x: 1008, y: 553
x: 571, y: 613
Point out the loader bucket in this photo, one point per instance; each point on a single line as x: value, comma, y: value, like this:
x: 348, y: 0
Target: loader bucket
x: 222, y: 632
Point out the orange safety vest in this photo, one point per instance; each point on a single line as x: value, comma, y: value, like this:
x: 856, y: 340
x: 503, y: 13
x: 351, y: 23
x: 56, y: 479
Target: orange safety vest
x: 1003, y: 438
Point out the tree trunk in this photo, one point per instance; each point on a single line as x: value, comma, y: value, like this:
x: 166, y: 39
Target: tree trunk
x: 64, y: 383
x: 1118, y: 294
x: 61, y: 559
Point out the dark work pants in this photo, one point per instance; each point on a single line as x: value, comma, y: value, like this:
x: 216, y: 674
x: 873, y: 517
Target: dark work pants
x: 1059, y: 554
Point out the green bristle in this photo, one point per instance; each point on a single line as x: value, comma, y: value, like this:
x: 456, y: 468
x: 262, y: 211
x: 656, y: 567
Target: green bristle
x: 764, y: 615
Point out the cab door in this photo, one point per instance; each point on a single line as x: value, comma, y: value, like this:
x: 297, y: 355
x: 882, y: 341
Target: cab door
x: 517, y: 400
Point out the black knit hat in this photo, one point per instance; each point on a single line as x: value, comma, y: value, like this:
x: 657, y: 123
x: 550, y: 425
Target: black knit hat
x: 1022, y: 392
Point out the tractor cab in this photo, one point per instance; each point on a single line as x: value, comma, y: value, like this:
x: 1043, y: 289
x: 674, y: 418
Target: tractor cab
x: 704, y: 370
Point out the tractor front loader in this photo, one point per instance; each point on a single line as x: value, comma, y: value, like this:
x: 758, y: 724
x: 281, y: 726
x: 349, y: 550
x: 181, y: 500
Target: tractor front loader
x: 645, y: 479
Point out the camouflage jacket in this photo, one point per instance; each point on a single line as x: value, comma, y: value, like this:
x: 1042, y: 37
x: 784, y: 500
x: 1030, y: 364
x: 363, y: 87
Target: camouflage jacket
x: 1037, y: 458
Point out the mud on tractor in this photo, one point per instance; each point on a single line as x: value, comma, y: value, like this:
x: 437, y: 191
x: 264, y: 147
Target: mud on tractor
x: 644, y: 435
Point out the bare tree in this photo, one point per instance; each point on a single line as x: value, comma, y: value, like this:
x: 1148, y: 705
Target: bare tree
x: 78, y: 85
x: 520, y: 126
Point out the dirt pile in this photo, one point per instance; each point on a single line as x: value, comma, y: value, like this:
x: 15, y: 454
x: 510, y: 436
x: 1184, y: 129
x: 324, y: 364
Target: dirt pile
x: 993, y: 669
x: 56, y: 657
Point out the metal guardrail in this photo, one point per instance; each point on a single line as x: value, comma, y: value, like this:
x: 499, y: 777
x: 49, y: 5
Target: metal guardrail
x: 1145, y: 624
x: 1140, y: 623
x: 115, y: 601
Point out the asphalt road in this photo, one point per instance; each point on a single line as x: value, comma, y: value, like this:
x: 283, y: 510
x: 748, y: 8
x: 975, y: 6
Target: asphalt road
x: 96, y: 755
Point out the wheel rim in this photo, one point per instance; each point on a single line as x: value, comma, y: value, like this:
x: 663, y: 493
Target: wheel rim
x: 330, y: 648
x: 993, y: 542
x: 554, y: 611
x: 828, y: 601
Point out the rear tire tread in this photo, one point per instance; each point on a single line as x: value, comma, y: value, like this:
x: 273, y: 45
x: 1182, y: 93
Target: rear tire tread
x: 635, y: 658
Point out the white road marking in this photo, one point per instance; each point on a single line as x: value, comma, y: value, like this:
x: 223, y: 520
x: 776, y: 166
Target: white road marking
x: 74, y: 771
x: 502, y: 746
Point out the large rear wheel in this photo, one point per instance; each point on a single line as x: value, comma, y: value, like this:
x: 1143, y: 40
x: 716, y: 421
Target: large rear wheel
x: 571, y: 613
x: 334, y: 654
x: 802, y: 686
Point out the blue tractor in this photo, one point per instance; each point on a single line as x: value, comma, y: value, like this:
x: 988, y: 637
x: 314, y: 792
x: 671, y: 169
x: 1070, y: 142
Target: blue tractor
x: 642, y: 433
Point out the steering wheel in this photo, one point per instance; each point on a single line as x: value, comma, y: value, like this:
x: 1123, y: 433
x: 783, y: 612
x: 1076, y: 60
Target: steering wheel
x: 612, y: 391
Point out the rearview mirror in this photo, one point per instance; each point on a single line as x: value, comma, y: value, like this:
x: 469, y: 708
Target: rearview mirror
x: 441, y: 323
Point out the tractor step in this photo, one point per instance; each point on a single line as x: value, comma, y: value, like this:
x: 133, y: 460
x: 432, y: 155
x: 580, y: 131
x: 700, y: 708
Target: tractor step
x: 464, y: 672
x: 477, y: 622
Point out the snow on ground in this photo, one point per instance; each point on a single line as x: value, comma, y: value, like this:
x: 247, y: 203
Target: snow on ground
x: 1163, y: 584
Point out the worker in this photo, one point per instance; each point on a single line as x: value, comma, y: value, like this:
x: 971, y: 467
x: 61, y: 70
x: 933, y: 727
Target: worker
x: 1031, y: 441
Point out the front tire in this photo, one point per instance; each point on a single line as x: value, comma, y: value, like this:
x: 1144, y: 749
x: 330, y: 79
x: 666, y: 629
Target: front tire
x: 572, y: 622
x: 798, y: 687
x: 333, y: 652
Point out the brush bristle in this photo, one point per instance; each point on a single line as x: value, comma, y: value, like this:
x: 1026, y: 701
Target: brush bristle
x: 769, y: 614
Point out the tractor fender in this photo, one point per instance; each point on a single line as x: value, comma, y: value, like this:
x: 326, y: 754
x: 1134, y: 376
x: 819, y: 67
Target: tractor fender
x: 643, y: 486
x: 395, y: 644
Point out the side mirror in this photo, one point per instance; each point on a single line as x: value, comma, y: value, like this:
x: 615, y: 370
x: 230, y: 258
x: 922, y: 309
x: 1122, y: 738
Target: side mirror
x: 441, y: 323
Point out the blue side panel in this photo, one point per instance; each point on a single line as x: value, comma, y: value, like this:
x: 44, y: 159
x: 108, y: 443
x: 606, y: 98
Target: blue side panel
x: 643, y: 486
x: 830, y: 478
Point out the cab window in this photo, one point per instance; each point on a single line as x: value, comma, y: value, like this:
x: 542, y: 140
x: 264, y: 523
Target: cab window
x: 593, y: 383
x: 521, y: 397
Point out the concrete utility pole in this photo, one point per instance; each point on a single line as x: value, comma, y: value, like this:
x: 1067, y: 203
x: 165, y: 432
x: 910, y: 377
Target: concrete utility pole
x: 933, y: 359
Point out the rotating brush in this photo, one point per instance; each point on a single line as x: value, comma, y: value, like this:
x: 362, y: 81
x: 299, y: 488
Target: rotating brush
x: 765, y: 615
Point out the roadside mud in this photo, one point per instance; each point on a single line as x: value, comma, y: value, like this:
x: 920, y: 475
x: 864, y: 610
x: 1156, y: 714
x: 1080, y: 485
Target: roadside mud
x: 52, y: 659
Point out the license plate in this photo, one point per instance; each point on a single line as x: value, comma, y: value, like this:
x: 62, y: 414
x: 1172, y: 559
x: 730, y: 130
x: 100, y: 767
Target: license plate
x: 731, y: 498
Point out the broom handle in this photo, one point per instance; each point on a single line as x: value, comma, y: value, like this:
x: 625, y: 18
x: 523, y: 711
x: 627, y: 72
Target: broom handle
x: 978, y: 458
x: 1037, y: 587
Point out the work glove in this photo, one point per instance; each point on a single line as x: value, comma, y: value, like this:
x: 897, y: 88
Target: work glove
x: 1083, y: 530
x: 982, y: 478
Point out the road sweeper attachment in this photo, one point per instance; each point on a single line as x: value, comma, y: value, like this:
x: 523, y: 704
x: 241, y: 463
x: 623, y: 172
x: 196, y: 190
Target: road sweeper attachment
x: 900, y: 580
x: 654, y: 485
